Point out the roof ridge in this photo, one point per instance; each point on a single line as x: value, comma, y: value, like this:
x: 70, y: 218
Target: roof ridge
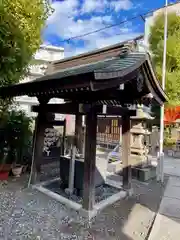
x: 129, y: 43
x: 92, y: 63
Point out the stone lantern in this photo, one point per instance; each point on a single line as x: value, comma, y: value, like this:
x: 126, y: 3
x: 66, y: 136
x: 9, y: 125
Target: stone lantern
x: 139, y: 138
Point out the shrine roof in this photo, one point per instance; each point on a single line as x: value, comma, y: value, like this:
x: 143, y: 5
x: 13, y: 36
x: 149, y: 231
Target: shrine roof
x: 116, y: 67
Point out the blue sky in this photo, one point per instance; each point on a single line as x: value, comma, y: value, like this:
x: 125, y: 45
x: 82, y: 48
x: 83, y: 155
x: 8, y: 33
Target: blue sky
x: 76, y: 17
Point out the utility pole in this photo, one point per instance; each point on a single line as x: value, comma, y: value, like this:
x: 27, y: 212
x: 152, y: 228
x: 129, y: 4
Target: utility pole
x: 161, y: 153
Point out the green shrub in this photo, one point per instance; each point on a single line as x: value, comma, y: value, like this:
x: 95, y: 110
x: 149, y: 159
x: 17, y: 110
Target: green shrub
x: 15, y: 136
x: 169, y: 142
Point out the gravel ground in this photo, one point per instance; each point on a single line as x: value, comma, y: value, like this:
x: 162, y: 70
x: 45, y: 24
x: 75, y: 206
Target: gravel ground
x: 49, y: 171
x: 101, y: 193
x: 28, y: 214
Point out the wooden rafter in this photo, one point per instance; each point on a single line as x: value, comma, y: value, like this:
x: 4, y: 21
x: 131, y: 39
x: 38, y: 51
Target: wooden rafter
x: 83, y: 109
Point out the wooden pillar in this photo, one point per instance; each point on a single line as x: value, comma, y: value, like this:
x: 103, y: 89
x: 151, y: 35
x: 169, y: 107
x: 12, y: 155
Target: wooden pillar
x: 126, y: 152
x: 90, y: 160
x: 79, y: 133
x: 38, y: 145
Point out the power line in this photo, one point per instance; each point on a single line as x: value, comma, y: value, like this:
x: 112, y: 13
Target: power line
x: 142, y: 16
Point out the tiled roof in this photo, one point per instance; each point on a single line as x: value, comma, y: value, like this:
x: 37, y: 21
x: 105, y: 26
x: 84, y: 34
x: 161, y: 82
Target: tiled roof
x: 111, y: 65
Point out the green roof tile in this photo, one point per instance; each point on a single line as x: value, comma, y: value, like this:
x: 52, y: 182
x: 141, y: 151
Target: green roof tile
x: 107, y: 65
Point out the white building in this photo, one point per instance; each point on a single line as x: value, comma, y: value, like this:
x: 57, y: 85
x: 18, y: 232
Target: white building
x: 45, y: 55
x: 172, y: 8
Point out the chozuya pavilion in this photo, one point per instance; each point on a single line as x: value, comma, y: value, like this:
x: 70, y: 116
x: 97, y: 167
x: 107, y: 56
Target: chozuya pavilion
x: 102, y: 82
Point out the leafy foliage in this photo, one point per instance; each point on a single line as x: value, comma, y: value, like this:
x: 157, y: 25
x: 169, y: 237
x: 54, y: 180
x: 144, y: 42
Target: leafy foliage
x: 169, y: 142
x: 156, y: 41
x: 15, y: 137
x: 21, y: 23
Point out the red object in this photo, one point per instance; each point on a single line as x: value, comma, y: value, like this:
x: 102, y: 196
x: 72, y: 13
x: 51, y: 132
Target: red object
x: 4, y: 175
x: 171, y: 115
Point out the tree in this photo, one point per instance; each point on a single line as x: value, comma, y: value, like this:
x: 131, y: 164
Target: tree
x: 21, y: 24
x: 156, y: 41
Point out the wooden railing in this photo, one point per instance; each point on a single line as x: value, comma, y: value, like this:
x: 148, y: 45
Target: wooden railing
x: 108, y: 131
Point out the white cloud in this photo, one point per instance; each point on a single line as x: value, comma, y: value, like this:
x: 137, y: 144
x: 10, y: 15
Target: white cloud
x: 122, y: 5
x: 94, y: 5
x: 102, y: 5
x: 63, y: 22
x: 67, y: 21
x: 64, y: 9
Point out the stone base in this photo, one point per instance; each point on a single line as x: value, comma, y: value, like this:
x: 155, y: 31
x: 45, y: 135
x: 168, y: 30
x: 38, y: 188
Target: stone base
x: 137, y: 159
x: 144, y: 174
x: 88, y: 215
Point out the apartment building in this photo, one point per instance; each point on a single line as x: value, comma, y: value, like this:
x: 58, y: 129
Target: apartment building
x: 37, y: 68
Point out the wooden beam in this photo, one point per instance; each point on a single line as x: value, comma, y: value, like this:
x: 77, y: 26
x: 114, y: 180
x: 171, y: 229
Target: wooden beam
x: 56, y: 123
x: 115, y: 111
x: 38, y: 144
x: 90, y: 160
x: 126, y: 152
x: 66, y: 108
x: 83, y: 109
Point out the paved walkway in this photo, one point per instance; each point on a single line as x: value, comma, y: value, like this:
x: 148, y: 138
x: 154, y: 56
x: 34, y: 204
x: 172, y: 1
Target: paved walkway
x: 172, y: 166
x: 167, y: 222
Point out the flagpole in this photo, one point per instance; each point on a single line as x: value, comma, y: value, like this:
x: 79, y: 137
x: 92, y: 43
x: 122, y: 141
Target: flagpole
x: 161, y: 152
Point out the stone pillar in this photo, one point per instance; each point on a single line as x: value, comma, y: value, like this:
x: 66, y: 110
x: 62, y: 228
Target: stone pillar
x: 63, y: 139
x: 90, y: 160
x: 154, y: 140
x: 79, y: 133
x: 126, y: 152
